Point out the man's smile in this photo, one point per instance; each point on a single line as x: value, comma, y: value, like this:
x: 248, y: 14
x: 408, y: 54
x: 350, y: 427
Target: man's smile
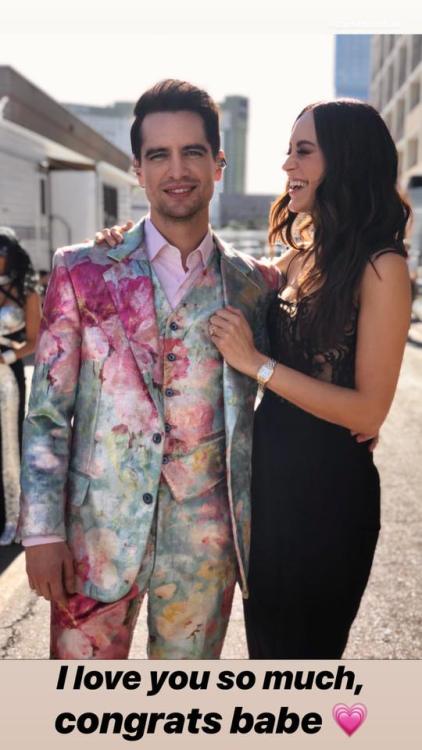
x: 179, y: 190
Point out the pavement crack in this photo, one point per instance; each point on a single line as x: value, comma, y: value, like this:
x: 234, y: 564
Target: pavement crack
x: 15, y: 635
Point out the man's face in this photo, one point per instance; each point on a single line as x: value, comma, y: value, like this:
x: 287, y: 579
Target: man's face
x: 177, y: 168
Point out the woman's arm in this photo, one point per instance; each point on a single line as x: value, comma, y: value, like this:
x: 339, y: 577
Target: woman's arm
x: 383, y: 323
x: 32, y: 311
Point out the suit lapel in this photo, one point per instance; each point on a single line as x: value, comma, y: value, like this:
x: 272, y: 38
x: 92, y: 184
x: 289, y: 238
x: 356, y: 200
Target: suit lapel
x: 243, y: 292
x: 132, y: 291
x: 239, y: 288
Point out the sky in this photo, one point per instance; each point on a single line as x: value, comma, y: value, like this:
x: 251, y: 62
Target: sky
x: 279, y: 55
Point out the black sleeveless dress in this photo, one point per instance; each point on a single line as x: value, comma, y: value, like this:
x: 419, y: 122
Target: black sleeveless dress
x: 315, y: 507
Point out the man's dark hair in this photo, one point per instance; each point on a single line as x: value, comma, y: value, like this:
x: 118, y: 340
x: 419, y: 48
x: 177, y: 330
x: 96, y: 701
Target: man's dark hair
x: 172, y: 95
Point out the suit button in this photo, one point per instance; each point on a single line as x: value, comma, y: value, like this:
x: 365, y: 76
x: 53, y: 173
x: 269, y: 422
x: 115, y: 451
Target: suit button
x: 148, y: 498
x: 174, y: 326
x: 169, y: 392
x: 166, y: 459
x: 156, y: 438
x: 171, y: 357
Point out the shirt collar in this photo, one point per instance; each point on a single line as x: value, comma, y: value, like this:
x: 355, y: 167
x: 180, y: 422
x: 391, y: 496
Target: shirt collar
x: 154, y: 242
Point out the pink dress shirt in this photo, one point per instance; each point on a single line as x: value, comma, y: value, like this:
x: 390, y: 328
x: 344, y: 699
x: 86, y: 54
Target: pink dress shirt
x: 166, y: 261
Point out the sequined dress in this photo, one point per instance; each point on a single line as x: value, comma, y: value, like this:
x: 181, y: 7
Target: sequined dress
x: 315, y: 506
x: 12, y: 403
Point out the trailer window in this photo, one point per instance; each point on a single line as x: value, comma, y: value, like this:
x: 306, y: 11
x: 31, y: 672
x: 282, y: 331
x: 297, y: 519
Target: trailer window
x: 110, y: 204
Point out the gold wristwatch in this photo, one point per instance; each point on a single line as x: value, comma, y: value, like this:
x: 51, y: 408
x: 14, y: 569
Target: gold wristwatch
x: 264, y: 373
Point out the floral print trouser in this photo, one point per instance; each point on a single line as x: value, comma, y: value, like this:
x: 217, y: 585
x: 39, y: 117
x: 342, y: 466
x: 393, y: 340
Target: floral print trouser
x: 189, y: 578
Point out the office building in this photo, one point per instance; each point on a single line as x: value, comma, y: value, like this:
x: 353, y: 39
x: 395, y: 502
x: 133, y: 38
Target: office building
x: 234, y: 111
x: 396, y: 93
x: 113, y: 121
x: 352, y: 66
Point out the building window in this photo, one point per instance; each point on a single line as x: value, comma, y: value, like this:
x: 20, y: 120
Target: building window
x: 390, y: 79
x: 416, y: 50
x: 415, y: 181
x: 415, y: 94
x: 383, y: 54
x: 402, y: 64
x: 376, y: 55
x: 43, y: 198
x: 388, y: 119
x: 110, y: 205
x: 383, y: 91
x: 412, y: 152
x: 400, y: 119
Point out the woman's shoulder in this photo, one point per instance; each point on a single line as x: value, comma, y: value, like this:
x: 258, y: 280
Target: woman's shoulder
x: 386, y: 275
x: 283, y: 262
x: 385, y: 260
x: 398, y: 250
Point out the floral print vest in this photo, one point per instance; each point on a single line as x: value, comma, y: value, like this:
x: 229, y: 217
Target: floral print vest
x: 191, y: 392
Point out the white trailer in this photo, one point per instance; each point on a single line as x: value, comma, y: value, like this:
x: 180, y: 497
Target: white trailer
x: 53, y: 196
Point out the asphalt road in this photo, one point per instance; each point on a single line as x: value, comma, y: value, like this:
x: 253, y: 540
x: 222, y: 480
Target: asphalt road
x: 389, y: 623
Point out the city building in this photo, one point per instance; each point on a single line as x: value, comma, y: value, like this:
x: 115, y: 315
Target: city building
x: 396, y: 93
x: 396, y: 88
x: 234, y: 111
x: 113, y: 121
x: 60, y: 181
x: 248, y: 211
x: 352, y: 66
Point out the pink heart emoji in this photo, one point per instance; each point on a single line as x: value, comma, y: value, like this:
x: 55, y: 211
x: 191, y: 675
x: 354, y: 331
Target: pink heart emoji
x: 349, y: 719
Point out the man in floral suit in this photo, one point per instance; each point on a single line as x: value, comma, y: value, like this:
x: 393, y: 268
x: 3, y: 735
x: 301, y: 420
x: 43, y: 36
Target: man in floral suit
x: 137, y: 442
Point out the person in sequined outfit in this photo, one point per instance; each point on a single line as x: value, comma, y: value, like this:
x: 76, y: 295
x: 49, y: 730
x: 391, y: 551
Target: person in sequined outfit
x: 19, y: 324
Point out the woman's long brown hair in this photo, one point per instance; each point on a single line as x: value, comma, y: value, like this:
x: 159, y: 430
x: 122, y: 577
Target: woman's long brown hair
x: 358, y: 211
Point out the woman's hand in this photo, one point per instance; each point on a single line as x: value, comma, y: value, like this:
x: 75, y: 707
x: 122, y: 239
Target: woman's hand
x: 372, y: 440
x: 232, y: 335
x: 113, y: 236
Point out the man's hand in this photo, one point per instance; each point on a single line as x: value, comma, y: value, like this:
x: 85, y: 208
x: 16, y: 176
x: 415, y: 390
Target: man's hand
x: 113, y: 236
x: 50, y: 571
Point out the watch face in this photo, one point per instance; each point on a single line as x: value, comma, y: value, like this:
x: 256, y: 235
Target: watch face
x: 264, y: 373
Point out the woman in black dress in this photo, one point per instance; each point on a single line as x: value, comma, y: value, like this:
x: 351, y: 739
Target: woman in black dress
x: 337, y: 332
x: 20, y: 313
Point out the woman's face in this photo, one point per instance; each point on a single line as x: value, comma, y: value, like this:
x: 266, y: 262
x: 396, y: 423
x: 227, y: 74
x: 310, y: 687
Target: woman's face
x: 304, y: 165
